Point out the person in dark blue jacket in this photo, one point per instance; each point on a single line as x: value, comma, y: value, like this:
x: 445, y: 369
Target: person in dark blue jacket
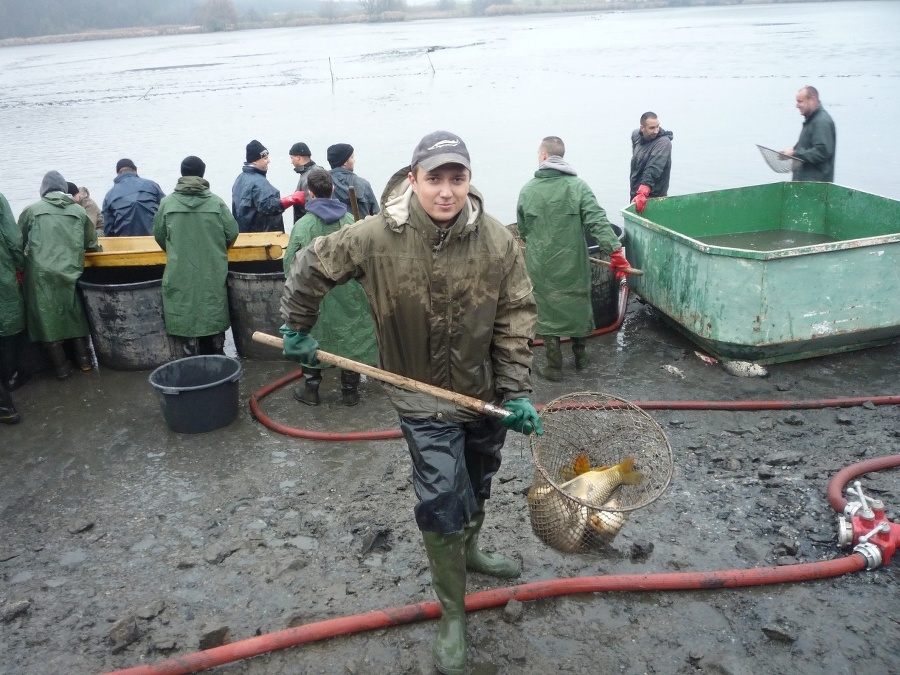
x: 131, y: 203
x: 256, y: 204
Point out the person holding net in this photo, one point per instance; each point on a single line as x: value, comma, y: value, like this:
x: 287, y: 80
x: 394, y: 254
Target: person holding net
x: 815, y: 149
x: 453, y: 307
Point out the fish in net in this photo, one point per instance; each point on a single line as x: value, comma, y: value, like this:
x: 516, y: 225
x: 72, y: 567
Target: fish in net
x: 778, y: 162
x: 600, y: 458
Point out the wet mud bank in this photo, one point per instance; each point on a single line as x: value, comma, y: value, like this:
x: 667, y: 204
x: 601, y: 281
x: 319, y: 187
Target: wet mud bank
x: 125, y: 543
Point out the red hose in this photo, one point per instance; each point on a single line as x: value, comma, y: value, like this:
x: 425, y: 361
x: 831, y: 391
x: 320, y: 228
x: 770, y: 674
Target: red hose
x: 845, y: 475
x: 191, y: 663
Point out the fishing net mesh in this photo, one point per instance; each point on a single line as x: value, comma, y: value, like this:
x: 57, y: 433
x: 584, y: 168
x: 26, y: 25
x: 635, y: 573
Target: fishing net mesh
x: 777, y: 162
x: 589, y: 429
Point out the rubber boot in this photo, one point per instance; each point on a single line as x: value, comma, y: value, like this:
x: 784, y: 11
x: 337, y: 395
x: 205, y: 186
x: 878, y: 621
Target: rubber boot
x: 58, y: 358
x: 447, y: 560
x: 553, y: 370
x: 82, y: 354
x: 579, y: 349
x: 349, y: 387
x: 12, y: 377
x: 309, y: 392
x: 492, y: 564
x: 8, y: 412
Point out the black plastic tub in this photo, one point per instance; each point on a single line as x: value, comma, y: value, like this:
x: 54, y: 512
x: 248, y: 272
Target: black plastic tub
x: 198, y: 393
x: 254, y: 304
x: 604, y: 285
x: 124, y: 311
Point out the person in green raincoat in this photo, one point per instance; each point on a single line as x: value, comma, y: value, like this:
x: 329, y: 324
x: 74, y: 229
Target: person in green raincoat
x: 12, y: 309
x: 56, y: 232
x: 555, y: 210
x: 345, y: 324
x: 195, y: 228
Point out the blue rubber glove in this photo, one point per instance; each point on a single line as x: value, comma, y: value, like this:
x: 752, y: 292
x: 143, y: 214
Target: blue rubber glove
x: 300, y: 347
x: 524, y: 418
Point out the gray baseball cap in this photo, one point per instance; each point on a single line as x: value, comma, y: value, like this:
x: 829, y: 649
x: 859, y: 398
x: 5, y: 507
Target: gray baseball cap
x: 439, y: 148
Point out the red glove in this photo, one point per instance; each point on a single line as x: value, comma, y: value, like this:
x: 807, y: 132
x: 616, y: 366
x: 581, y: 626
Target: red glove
x: 640, y: 199
x: 618, y: 262
x: 19, y: 276
x: 298, y: 197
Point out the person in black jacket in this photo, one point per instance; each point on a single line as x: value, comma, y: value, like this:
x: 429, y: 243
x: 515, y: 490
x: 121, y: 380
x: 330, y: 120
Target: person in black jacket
x: 651, y: 161
x: 816, y: 146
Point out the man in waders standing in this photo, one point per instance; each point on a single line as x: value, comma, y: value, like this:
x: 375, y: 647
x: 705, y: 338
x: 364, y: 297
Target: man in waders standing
x: 453, y: 308
x: 556, y: 209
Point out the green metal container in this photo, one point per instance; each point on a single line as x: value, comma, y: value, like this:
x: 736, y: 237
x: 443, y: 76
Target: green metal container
x: 772, y: 273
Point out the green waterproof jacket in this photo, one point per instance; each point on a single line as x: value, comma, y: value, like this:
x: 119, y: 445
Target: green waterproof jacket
x: 55, y: 232
x: 555, y: 211
x: 12, y: 259
x: 345, y: 323
x: 816, y: 147
x: 195, y: 228
x: 452, y: 308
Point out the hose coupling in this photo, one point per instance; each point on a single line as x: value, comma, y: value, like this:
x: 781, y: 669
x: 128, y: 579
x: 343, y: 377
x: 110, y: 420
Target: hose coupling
x: 871, y: 554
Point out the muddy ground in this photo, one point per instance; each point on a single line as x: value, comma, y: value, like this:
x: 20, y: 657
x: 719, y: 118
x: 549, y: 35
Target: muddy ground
x: 124, y: 543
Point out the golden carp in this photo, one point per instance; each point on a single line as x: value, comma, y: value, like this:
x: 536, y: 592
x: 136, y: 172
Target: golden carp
x: 563, y: 523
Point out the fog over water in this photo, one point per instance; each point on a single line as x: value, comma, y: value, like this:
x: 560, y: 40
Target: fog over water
x: 721, y: 78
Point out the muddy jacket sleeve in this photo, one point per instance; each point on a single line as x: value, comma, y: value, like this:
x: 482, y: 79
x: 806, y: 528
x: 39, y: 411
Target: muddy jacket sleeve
x: 514, y: 326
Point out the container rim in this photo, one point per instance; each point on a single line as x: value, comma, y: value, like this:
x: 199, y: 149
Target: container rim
x: 234, y: 377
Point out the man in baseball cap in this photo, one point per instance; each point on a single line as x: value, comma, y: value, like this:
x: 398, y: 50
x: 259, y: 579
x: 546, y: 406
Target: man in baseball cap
x: 453, y: 307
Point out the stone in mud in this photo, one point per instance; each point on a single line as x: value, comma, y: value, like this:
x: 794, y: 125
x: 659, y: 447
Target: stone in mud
x: 793, y: 420
x: 122, y: 633
x: 784, y: 459
x: 780, y: 632
x: 640, y: 550
x: 513, y: 611
x: 151, y: 611
x: 750, y: 550
x: 13, y: 610
x: 81, y: 526
x: 214, y: 637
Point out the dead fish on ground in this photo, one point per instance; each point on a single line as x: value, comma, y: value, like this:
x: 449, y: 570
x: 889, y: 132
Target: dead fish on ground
x: 706, y: 358
x: 673, y: 370
x: 562, y: 523
x: 744, y: 369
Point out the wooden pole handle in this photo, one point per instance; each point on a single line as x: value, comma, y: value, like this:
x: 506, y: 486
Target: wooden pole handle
x: 392, y: 378
x: 354, y: 205
x: 628, y: 270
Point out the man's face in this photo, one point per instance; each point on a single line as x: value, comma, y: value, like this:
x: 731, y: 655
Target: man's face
x: 441, y: 191
x: 650, y: 128
x: 806, y: 104
x: 351, y: 162
x: 262, y: 163
x: 296, y: 160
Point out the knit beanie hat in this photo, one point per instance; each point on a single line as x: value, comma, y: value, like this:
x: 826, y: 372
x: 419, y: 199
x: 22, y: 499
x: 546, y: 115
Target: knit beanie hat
x: 193, y: 166
x: 256, y: 151
x: 122, y: 163
x: 339, y: 153
x: 300, y: 149
x: 53, y: 182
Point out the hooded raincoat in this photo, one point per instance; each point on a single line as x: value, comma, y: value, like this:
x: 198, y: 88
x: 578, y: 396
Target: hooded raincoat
x: 195, y: 228
x: 366, y: 201
x: 555, y: 210
x: 452, y: 308
x: 345, y: 323
x: 12, y: 260
x: 255, y: 202
x: 130, y: 205
x: 651, y: 162
x: 55, y: 232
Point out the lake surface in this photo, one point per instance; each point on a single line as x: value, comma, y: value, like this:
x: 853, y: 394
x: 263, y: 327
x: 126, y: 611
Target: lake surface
x: 721, y: 78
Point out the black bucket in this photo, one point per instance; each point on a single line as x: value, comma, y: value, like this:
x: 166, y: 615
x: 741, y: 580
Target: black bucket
x: 254, y: 303
x: 124, y: 310
x: 604, y: 285
x: 198, y: 393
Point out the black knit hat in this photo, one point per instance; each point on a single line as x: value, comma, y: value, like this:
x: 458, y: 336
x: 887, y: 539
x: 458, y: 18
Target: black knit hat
x: 122, y: 163
x: 193, y: 166
x: 339, y: 153
x: 300, y: 149
x: 71, y: 188
x: 256, y: 151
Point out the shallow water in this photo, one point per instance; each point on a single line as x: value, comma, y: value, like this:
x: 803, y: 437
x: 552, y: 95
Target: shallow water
x: 722, y: 78
x: 768, y: 240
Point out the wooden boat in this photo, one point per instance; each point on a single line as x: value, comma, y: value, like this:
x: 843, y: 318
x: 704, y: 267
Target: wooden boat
x: 772, y: 273
x: 144, y: 251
